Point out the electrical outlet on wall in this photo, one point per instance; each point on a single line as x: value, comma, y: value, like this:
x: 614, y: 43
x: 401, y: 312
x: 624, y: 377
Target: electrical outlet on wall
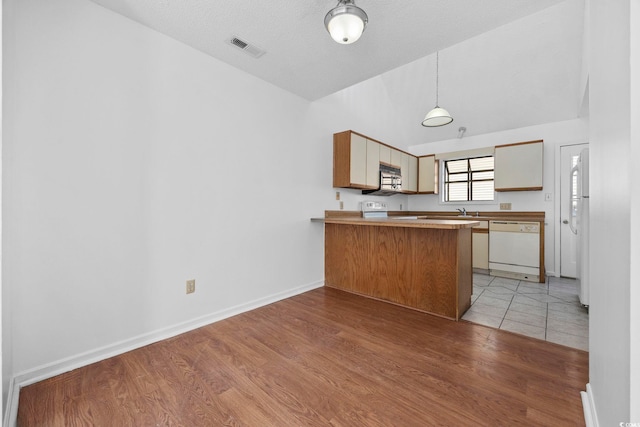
x: 505, y: 206
x: 191, y: 286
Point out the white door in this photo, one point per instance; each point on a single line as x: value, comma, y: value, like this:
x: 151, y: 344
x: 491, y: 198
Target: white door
x: 568, y: 209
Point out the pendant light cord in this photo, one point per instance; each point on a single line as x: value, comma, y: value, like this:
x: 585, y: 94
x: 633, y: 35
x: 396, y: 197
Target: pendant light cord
x: 437, y: 116
x: 437, y: 74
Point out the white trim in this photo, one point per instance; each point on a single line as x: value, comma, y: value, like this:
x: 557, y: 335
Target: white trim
x: 11, y: 414
x: 473, y: 152
x: 49, y: 370
x: 589, y: 408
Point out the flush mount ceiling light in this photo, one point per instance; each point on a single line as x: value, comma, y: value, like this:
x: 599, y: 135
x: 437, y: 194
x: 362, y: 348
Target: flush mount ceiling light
x: 438, y: 116
x: 346, y: 22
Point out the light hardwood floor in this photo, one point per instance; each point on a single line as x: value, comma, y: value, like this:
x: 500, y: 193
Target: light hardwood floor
x: 323, y: 358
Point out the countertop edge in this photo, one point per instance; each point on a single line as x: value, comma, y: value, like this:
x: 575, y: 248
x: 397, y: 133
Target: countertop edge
x: 406, y: 223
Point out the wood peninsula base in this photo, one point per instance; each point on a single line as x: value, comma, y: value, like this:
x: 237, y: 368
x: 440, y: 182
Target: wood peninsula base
x: 420, y: 264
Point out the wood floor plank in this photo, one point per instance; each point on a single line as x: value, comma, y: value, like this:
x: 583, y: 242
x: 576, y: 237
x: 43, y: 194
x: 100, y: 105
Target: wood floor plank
x: 325, y: 357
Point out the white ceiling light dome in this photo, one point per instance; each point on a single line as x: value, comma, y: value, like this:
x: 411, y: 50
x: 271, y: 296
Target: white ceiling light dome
x: 346, y: 22
x: 437, y: 117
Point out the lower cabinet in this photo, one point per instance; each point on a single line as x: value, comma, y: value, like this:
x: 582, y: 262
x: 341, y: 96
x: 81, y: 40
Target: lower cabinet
x: 480, y: 246
x: 480, y: 242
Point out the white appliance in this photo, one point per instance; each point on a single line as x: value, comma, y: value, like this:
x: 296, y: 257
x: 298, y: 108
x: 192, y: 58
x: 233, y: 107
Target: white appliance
x: 373, y: 209
x: 390, y: 182
x: 580, y: 223
x: 514, y: 249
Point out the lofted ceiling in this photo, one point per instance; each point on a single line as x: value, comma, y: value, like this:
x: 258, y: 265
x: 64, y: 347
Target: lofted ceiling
x: 301, y: 57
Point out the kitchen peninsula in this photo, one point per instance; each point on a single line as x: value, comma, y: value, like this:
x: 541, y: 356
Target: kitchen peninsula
x: 424, y: 264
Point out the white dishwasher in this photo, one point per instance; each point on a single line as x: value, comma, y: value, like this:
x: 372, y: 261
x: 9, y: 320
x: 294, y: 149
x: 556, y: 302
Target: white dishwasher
x: 514, y: 249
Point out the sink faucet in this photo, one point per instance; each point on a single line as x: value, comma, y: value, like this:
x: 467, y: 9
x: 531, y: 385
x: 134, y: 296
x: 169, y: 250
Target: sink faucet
x: 462, y: 211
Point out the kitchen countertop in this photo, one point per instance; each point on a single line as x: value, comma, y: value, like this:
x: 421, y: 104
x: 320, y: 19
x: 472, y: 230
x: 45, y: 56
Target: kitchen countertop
x: 446, y: 215
x: 484, y: 216
x: 420, y: 222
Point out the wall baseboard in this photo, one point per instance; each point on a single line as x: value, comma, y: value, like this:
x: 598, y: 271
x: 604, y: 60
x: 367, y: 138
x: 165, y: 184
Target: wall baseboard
x: 49, y: 370
x: 589, y: 408
x: 12, y: 405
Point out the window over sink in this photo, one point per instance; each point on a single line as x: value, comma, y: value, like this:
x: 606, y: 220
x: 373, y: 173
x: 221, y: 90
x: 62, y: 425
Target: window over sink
x: 468, y: 179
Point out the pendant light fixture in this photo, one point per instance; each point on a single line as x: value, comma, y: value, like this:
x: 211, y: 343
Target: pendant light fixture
x: 438, y: 116
x: 346, y: 22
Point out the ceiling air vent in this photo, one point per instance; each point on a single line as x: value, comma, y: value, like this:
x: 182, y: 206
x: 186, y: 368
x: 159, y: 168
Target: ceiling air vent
x: 246, y: 47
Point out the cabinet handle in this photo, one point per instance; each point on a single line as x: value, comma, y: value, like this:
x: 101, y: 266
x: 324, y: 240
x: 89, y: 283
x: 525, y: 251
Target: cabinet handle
x: 565, y: 221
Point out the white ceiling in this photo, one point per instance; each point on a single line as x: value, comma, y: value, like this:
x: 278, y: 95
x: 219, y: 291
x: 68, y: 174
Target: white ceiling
x: 302, y: 58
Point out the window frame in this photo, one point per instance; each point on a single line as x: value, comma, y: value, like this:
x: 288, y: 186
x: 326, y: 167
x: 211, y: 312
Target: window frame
x: 444, y: 183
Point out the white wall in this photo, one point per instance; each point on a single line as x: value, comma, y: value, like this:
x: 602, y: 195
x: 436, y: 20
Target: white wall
x: 133, y: 164
x: 367, y: 108
x: 5, y: 333
x: 2, y: 365
x: 634, y: 231
x: 554, y: 135
x: 494, y: 65
x: 612, y: 180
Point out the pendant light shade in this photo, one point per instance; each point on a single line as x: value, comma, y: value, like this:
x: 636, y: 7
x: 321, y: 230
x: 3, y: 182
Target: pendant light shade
x: 346, y: 22
x: 438, y: 116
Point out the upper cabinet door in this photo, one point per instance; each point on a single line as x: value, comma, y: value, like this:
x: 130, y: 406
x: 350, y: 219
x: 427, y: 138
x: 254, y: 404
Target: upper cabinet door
x: 518, y: 167
x: 427, y: 175
x: 413, y: 174
x: 358, y: 160
x: 373, y: 164
x: 409, y: 172
x: 396, y: 158
x: 385, y: 154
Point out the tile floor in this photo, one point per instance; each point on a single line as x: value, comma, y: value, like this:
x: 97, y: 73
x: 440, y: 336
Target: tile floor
x: 549, y: 311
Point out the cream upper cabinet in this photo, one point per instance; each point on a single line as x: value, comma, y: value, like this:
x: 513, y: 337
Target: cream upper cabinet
x: 356, y: 161
x: 373, y: 164
x: 409, y: 172
x: 518, y: 167
x: 385, y: 154
x: 427, y: 175
x: 413, y: 174
x: 357, y: 158
x: 396, y: 158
